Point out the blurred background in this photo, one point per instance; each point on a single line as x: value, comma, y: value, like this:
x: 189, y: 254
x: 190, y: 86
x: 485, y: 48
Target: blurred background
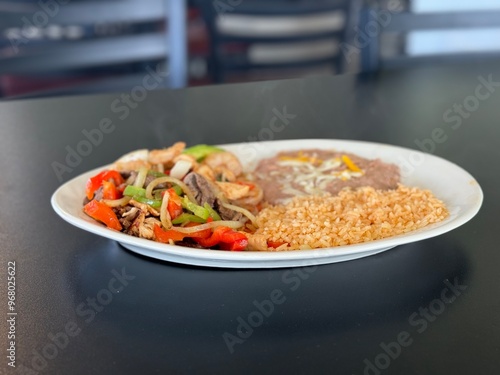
x: 65, y: 47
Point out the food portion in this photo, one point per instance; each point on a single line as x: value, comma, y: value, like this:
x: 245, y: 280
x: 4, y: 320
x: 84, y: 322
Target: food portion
x: 303, y: 199
x: 196, y: 197
x: 325, y: 198
x: 315, y: 172
x: 352, y: 216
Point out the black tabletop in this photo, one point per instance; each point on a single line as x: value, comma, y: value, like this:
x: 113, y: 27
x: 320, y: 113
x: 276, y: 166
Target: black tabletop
x: 85, y: 305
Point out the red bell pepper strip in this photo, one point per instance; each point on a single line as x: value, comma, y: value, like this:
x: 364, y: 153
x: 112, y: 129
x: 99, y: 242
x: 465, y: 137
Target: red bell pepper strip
x: 162, y: 235
x: 226, y: 238
x: 109, y: 190
x: 174, y: 206
x: 102, y: 212
x: 205, y: 233
x: 165, y: 236
x: 237, y: 245
x: 95, y: 182
x: 232, y: 236
x: 214, y: 239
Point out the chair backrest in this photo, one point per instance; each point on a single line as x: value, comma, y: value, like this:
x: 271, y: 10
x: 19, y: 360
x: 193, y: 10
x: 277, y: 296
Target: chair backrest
x: 406, y: 36
x: 21, y: 54
x: 262, y: 34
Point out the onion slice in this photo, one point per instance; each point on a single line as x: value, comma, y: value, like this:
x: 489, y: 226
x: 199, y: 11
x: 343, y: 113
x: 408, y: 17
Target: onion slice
x: 141, y: 177
x: 176, y: 181
x: 165, y: 218
x: 117, y: 202
x: 243, y: 211
x: 213, y: 224
x: 181, y: 168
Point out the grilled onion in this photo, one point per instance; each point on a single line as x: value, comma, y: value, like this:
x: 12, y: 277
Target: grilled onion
x: 220, y: 223
x: 176, y: 181
x: 243, y: 211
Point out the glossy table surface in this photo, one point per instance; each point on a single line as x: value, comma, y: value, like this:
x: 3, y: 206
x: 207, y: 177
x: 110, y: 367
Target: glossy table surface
x: 85, y: 305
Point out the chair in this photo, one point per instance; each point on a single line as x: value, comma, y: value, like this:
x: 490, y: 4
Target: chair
x: 395, y: 43
x: 165, y: 42
x: 263, y: 35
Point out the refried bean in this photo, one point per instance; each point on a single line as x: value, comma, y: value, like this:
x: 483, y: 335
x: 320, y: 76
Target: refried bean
x: 316, y: 171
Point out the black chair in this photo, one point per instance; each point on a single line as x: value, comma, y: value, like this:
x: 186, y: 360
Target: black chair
x: 389, y: 46
x: 273, y: 35
x: 155, y: 33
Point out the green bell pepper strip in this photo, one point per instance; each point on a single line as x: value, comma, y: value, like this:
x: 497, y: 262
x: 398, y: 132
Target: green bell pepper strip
x: 213, y: 214
x: 139, y: 194
x: 159, y: 194
x: 131, y: 191
x: 200, y: 152
x: 152, y: 202
x: 156, y: 173
x: 178, y: 190
x: 194, y: 208
x: 187, y: 218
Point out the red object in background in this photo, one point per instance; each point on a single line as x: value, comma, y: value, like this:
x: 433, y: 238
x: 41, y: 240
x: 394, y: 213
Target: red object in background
x: 11, y: 85
x: 198, y: 41
x: 198, y: 47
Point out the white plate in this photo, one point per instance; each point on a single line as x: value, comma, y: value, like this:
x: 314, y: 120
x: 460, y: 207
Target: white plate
x: 458, y: 189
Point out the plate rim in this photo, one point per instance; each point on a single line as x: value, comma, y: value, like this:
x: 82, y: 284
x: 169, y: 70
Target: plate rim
x: 263, y: 259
